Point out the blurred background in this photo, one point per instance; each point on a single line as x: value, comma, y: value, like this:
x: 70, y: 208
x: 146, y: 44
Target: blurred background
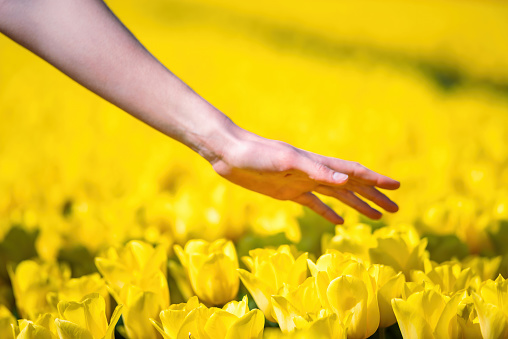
x: 417, y: 90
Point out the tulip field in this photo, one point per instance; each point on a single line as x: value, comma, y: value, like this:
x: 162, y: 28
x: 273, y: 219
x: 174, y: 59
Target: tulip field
x: 110, y: 229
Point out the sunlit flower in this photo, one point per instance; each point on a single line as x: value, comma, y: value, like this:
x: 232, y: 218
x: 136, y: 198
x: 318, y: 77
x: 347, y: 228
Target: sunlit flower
x: 211, y: 269
x: 195, y: 320
x: 269, y: 270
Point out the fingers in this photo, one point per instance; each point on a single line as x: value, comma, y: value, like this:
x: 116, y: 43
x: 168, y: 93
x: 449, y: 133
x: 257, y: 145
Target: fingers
x: 321, y: 173
x: 356, y: 172
x: 311, y: 201
x: 375, y: 196
x: 350, y: 199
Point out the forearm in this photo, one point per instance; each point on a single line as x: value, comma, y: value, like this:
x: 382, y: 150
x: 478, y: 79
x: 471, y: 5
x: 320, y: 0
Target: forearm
x: 87, y: 42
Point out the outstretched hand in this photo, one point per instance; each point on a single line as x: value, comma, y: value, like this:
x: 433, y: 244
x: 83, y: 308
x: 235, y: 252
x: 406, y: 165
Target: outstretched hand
x: 284, y: 172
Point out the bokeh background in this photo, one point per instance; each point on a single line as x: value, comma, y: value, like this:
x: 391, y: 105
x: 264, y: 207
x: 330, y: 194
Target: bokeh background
x: 417, y: 90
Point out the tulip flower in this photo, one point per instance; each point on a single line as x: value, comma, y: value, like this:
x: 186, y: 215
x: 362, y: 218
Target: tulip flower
x: 346, y: 287
x: 136, y: 275
x: 195, y: 320
x: 77, y: 288
x: 301, y: 302
x: 389, y: 285
x: 492, y: 307
x: 449, y: 277
x: 269, y: 270
x: 86, y: 319
x: 43, y: 327
x: 418, y: 316
x: 7, y: 320
x: 32, y: 282
x: 399, y: 247
x: 356, y: 240
x: 211, y: 269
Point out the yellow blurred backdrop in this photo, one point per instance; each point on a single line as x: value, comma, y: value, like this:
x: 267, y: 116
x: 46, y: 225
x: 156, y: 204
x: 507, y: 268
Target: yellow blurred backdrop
x: 417, y: 90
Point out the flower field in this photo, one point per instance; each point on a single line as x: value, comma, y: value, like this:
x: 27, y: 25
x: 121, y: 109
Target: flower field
x: 109, y: 229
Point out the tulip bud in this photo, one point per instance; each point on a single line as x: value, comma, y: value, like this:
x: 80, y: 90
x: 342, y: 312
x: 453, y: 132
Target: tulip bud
x: 211, y: 268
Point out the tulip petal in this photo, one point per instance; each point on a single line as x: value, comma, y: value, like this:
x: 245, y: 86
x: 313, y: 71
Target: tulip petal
x: 259, y: 292
x: 493, y: 322
x: 218, y: 324
x: 69, y: 330
x: 249, y: 326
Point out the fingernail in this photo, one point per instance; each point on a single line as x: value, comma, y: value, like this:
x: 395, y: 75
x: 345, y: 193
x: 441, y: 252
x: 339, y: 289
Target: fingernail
x: 340, y: 177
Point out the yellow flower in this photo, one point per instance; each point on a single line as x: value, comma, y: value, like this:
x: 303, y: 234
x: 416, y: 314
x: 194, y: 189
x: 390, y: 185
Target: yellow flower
x: 399, y: 247
x: 356, y: 240
x: 136, y: 275
x: 43, y: 327
x: 296, y: 308
x: 450, y: 277
x: 346, y: 287
x: 418, y: 316
x: 77, y: 288
x: 211, y: 268
x: 389, y: 285
x: 86, y: 319
x: 32, y: 282
x: 492, y: 307
x: 195, y: 320
x: 6, y: 321
x: 269, y: 270
x: 327, y: 326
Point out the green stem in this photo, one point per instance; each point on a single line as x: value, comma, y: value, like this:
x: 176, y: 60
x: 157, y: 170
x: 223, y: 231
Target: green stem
x: 382, y: 333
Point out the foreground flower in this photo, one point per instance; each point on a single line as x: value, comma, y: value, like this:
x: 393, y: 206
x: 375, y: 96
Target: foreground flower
x: 429, y: 314
x: 86, y: 319
x: 399, y: 247
x: 346, y: 287
x: 389, y: 286
x: 6, y: 322
x: 211, y: 269
x: 326, y: 327
x: 492, y: 307
x: 76, y: 320
x: 269, y: 270
x: 32, y: 281
x: 136, y: 275
x: 195, y: 320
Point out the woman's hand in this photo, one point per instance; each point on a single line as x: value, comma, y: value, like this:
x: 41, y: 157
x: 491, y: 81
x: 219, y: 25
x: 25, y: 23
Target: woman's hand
x: 284, y: 172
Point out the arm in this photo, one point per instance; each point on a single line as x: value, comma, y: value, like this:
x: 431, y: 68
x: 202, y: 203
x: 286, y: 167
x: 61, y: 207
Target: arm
x: 84, y: 39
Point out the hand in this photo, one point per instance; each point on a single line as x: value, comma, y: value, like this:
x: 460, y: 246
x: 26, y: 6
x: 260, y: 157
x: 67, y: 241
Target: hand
x: 283, y: 172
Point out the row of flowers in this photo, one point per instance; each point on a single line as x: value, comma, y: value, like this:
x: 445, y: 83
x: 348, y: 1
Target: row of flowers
x: 345, y: 295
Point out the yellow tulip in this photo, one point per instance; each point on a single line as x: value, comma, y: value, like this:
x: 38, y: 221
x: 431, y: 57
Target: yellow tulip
x: 32, y: 282
x: 327, y: 326
x: 389, y: 285
x: 211, y: 268
x: 345, y: 286
x: 86, y: 319
x: 492, y: 307
x: 7, y: 320
x: 300, y: 304
x: 136, y: 275
x: 269, y: 270
x: 458, y: 319
x: 418, y: 316
x: 42, y: 328
x: 356, y: 240
x: 135, y: 263
x: 399, y: 247
x: 77, y: 288
x: 195, y: 320
x: 450, y: 278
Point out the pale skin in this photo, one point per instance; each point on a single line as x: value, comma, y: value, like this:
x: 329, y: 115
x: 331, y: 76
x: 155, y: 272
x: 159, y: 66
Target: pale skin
x: 85, y: 40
